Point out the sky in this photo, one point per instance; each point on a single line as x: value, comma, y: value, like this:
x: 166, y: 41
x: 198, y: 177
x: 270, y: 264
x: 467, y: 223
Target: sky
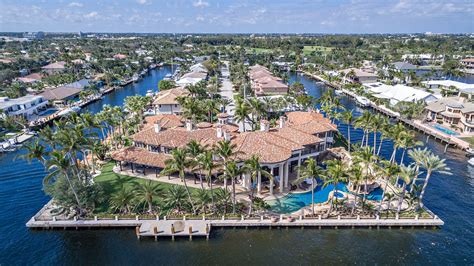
x: 238, y: 16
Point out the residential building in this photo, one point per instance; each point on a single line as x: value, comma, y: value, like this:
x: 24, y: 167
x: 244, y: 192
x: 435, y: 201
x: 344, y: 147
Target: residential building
x: 403, y: 66
x: 455, y: 112
x: 460, y: 88
x: 299, y: 135
x: 25, y: 106
x: 120, y: 56
x: 356, y: 75
x: 264, y: 83
x: 31, y: 78
x: 66, y: 92
x: 399, y: 93
x: 54, y: 68
x: 191, y: 78
x: 166, y: 102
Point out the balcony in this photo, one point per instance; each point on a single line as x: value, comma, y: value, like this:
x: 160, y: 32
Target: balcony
x: 330, y: 139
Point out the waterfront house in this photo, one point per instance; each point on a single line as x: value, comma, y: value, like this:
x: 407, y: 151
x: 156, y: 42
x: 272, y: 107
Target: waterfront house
x: 166, y: 102
x: 191, y: 78
x: 31, y: 78
x: 54, y: 68
x: 403, y: 66
x: 399, y: 93
x: 355, y: 75
x: 298, y: 136
x: 455, y: 112
x: 67, y: 92
x: 460, y: 88
x: 263, y: 82
x: 25, y: 106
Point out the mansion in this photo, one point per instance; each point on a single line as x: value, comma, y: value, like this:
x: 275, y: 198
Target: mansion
x: 299, y: 135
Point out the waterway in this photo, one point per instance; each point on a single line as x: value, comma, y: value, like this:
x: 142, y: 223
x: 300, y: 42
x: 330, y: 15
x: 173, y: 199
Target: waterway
x: 450, y: 197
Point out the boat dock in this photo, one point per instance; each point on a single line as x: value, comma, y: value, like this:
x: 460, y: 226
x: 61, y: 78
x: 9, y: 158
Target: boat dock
x: 446, y: 139
x: 190, y: 228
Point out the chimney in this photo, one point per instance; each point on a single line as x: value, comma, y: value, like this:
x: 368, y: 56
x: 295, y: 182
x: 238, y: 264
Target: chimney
x: 189, y: 125
x: 264, y: 125
x: 282, y: 121
x: 219, y: 131
x: 157, y: 126
x: 226, y: 135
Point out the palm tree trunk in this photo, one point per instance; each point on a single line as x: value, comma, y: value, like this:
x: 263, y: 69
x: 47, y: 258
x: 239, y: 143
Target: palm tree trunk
x: 212, y: 193
x: 402, y: 196
x: 355, y: 200
x: 425, y: 184
x: 413, y: 183
x: 380, y: 145
x: 233, y: 195
x: 312, y: 197
x: 181, y: 174
x: 383, y: 195
x: 363, y: 139
x: 375, y: 141
x: 348, y: 137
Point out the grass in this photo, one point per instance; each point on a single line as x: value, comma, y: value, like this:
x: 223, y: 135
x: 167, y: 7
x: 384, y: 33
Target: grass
x: 308, y: 49
x: 259, y: 50
x: 112, y: 183
x: 470, y: 140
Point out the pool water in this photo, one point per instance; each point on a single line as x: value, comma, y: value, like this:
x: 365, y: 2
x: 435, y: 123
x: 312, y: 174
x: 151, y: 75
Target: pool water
x: 48, y: 112
x: 295, y: 201
x: 445, y: 130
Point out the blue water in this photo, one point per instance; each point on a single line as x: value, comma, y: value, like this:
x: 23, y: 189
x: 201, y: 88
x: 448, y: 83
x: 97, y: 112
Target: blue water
x: 48, y: 112
x: 451, y: 197
x: 295, y: 201
x: 445, y: 130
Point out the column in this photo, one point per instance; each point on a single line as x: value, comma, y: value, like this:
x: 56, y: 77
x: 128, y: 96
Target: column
x: 259, y: 182
x: 280, y: 173
x: 271, y: 182
x: 286, y: 174
x: 299, y: 165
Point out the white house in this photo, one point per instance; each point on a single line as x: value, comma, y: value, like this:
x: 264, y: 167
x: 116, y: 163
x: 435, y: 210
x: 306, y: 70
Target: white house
x: 399, y: 93
x: 191, y: 78
x: 166, y: 101
x: 463, y: 89
x: 25, y: 106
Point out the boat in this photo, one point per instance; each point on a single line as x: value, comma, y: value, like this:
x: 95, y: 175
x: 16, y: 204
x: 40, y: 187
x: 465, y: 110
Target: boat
x: 168, y: 77
x: 362, y: 101
x: 70, y: 110
x: 469, y: 152
x: 149, y: 112
x: 471, y: 161
x: 338, y: 92
x: 149, y: 93
x: 135, y: 77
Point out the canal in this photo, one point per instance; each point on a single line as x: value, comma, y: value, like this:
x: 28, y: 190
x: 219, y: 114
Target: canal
x: 450, y: 197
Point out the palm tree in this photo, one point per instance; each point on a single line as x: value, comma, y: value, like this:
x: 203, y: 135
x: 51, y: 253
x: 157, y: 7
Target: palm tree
x: 364, y: 121
x: 194, y: 149
x: 432, y: 164
x: 334, y: 175
x: 310, y: 170
x: 408, y: 141
x: 355, y: 178
x: 223, y: 199
x: 418, y: 156
x: 232, y: 171
x: 206, y: 163
x: 225, y: 150
x: 256, y: 170
x: 35, y: 151
x: 241, y: 113
x: 396, y: 133
x: 377, y: 123
x: 122, y: 201
x: 202, y: 200
x: 406, y: 174
x: 175, y: 197
x: 145, y: 192
x: 179, y: 163
x: 348, y: 118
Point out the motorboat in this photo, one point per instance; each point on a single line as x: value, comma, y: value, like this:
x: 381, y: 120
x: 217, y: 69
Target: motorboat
x: 469, y: 152
x: 168, y: 77
x: 471, y: 161
x: 149, y: 93
x: 69, y: 111
x: 363, y: 101
x: 338, y: 92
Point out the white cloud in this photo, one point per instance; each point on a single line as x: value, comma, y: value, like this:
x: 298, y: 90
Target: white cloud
x: 200, y: 18
x: 92, y: 14
x: 75, y: 4
x: 143, y: 2
x: 201, y: 3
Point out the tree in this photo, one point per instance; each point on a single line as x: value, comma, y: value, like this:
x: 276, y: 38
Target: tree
x: 145, y: 192
x: 256, y: 170
x: 364, y: 121
x: 232, y: 171
x: 35, y: 151
x: 175, y: 198
x: 206, y: 163
x: 334, y: 175
x: 122, y: 201
x: 179, y: 163
x: 166, y: 85
x: 432, y: 164
x: 202, y: 200
x: 310, y: 170
x: 241, y: 113
x: 348, y: 118
x: 406, y: 174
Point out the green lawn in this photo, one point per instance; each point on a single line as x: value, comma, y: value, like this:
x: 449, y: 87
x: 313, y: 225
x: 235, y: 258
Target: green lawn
x: 315, y: 48
x: 112, y: 182
x: 258, y: 50
x: 470, y: 140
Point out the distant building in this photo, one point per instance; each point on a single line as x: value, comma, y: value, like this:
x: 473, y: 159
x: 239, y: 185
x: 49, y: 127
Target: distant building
x: 34, y: 35
x: 25, y: 106
x: 399, y: 93
x: 66, y: 92
x: 468, y: 64
x: 54, y: 68
x: 453, y: 111
x: 166, y: 101
x: 120, y: 56
x: 403, y: 66
x: 462, y: 89
x: 356, y: 75
x: 31, y: 78
x: 264, y: 83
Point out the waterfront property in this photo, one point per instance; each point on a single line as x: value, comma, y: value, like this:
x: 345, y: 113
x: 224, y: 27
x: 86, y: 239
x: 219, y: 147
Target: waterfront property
x: 399, y: 93
x: 460, y: 88
x: 25, y: 106
x: 166, y: 102
x: 54, y: 68
x: 356, y: 75
x: 299, y: 135
x: 197, y: 74
x: 263, y: 82
x: 454, y: 112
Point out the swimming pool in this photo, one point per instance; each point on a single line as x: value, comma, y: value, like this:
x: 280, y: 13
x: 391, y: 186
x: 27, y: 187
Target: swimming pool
x: 295, y: 201
x: 445, y: 130
x: 48, y: 112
